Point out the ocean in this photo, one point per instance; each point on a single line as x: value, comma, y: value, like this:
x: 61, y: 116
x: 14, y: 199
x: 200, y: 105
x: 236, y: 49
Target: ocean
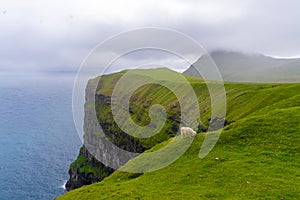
x: 38, y: 139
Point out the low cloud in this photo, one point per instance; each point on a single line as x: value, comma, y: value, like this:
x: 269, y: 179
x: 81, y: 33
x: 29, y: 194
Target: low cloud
x: 39, y: 35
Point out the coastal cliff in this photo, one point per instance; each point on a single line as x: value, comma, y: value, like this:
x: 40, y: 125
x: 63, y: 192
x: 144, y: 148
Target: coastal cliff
x: 86, y: 169
x: 255, y: 157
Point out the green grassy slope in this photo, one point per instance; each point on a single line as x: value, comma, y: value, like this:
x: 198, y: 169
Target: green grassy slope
x: 258, y: 152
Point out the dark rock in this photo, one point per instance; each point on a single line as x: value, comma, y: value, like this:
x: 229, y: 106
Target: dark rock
x: 217, y: 123
x: 78, y: 179
x: 201, y: 129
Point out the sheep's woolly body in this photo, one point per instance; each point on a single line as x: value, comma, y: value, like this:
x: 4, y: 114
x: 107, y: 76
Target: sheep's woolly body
x: 187, y: 131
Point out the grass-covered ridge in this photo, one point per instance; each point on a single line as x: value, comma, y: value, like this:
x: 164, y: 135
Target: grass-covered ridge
x: 258, y: 153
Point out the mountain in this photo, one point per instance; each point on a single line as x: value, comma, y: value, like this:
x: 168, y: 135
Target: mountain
x: 256, y: 157
x: 242, y: 67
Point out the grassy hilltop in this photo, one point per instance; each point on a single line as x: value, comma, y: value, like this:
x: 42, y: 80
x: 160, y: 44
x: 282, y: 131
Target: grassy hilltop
x: 258, y: 152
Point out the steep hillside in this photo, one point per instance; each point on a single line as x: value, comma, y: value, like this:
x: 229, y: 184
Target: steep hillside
x: 241, y: 67
x: 256, y: 157
x: 86, y: 169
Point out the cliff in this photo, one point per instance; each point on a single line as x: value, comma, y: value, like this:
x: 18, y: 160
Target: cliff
x: 86, y: 169
x: 256, y: 156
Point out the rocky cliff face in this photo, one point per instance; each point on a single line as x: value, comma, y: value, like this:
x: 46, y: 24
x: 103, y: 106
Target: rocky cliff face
x: 86, y: 169
x: 80, y: 177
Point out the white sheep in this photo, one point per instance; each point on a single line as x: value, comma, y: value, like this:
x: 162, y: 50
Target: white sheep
x: 187, y: 131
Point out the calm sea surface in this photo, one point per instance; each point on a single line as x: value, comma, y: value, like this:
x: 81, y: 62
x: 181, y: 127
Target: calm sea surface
x: 38, y: 139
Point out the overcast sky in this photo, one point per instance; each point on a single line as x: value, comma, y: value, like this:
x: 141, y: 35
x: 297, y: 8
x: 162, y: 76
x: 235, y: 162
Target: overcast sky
x: 58, y: 35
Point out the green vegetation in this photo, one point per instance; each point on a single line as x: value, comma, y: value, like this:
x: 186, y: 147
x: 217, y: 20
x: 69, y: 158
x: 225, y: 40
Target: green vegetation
x: 83, y: 165
x: 256, y: 157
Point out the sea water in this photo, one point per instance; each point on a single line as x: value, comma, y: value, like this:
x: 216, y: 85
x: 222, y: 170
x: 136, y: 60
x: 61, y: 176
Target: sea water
x: 38, y: 140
